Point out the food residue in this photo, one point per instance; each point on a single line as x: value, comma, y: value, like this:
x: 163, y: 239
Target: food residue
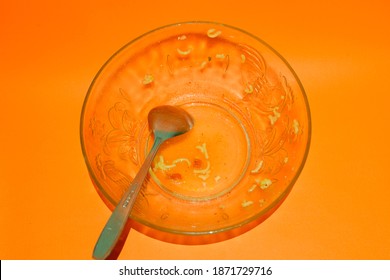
x: 246, y: 203
x: 148, y: 79
x: 248, y: 89
x: 203, y: 171
x: 184, y: 52
x: 186, y: 160
x: 262, y: 201
x: 175, y: 176
x: 257, y: 168
x: 273, y: 118
x: 203, y: 64
x: 264, y: 184
x: 197, y: 163
x: 203, y: 174
x: 213, y: 33
x: 252, y: 188
x: 203, y: 150
x: 243, y: 58
x: 295, y: 127
x: 161, y: 165
x: 201, y: 168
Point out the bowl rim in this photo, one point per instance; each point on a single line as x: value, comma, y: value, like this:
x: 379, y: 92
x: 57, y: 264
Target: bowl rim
x: 267, y: 210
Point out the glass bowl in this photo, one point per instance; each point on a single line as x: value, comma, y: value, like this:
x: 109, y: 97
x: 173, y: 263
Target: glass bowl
x: 247, y: 148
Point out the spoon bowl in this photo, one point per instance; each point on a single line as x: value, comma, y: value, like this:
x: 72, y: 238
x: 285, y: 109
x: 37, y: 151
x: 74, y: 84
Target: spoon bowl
x: 165, y: 122
x: 169, y: 121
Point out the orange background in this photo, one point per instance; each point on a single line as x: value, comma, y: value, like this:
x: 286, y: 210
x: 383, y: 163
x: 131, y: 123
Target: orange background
x: 50, y: 52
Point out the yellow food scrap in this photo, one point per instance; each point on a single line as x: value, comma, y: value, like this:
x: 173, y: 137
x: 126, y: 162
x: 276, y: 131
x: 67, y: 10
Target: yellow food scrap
x: 273, y: 118
x: 264, y: 184
x: 217, y: 178
x: 203, y: 64
x: 257, y: 168
x: 248, y: 89
x: 243, y: 58
x: 262, y: 201
x: 220, y: 56
x: 148, y: 79
x: 161, y: 165
x: 184, y: 52
x: 246, y: 203
x: 186, y: 160
x: 295, y: 127
x: 203, y: 174
x: 213, y: 33
x: 203, y: 150
x: 252, y: 188
x: 182, y: 37
x: 204, y: 177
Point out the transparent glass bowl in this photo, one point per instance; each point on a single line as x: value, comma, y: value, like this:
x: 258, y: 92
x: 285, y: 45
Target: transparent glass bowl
x: 248, y: 146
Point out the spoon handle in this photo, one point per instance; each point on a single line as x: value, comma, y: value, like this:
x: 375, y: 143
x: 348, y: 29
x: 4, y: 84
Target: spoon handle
x: 117, y: 221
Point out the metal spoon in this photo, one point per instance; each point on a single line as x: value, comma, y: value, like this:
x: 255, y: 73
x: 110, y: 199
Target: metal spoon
x: 165, y: 122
